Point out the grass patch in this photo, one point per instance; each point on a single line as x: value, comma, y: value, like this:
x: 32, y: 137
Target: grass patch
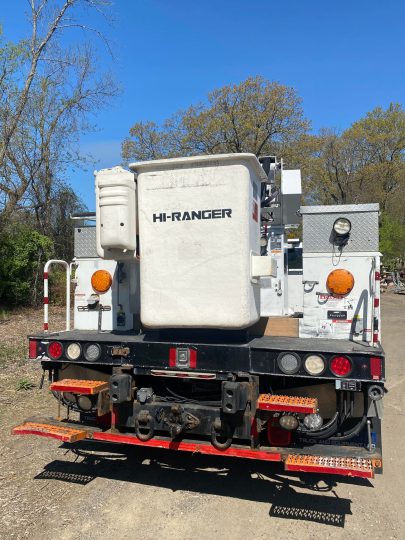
x: 12, y: 354
x: 24, y: 384
x: 4, y: 315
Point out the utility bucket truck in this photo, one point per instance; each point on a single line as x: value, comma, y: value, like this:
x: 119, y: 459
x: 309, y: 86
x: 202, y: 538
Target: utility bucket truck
x: 200, y: 325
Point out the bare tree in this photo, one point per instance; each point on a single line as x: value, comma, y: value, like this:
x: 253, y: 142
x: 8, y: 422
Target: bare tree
x: 42, y: 113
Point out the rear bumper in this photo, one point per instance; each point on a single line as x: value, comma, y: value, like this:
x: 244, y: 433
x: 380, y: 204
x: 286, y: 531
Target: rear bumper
x: 322, y: 459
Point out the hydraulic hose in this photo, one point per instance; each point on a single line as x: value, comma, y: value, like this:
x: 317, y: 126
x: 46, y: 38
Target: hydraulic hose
x: 327, y: 430
x: 351, y: 433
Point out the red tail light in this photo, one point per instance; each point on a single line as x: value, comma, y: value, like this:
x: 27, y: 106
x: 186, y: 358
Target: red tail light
x: 376, y: 367
x: 32, y: 349
x: 276, y: 435
x: 183, y: 357
x: 341, y: 366
x: 55, y: 350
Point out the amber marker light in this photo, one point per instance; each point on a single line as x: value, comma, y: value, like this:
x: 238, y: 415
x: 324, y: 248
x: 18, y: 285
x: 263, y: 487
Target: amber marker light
x: 101, y: 281
x: 340, y: 282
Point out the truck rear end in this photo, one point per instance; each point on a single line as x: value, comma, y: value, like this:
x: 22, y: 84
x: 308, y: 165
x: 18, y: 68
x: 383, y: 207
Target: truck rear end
x: 169, y: 348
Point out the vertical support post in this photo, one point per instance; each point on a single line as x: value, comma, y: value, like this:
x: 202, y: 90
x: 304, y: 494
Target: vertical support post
x: 46, y: 292
x: 46, y: 302
x: 376, y: 304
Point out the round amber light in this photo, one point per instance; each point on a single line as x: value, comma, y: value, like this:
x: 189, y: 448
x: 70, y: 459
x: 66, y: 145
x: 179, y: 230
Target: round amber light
x: 340, y: 282
x: 101, y: 281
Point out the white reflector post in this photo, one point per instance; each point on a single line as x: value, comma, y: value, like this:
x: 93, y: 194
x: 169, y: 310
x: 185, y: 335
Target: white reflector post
x: 46, y: 292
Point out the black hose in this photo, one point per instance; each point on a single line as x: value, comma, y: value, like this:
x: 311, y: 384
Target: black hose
x: 331, y: 427
x: 351, y: 433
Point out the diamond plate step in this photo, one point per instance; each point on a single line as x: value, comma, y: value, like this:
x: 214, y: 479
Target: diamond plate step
x: 77, y: 386
x: 330, y: 465
x: 61, y: 433
x: 271, y: 402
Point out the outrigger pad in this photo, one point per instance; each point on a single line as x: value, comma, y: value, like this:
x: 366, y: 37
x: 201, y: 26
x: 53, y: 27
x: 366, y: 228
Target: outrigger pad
x: 276, y: 403
x: 65, y: 434
x: 330, y: 465
x: 77, y: 386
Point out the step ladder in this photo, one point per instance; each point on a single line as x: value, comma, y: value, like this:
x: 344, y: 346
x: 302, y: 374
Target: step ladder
x: 59, y: 432
x: 346, y: 466
x: 275, y: 403
x: 78, y: 386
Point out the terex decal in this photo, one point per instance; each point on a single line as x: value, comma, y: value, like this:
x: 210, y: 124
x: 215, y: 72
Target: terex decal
x: 191, y: 215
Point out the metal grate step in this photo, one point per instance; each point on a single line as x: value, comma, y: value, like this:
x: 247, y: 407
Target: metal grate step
x: 77, y: 386
x: 61, y: 433
x: 330, y: 465
x: 271, y: 402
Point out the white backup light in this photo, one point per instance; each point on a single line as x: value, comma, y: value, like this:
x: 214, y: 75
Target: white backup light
x: 73, y: 351
x: 288, y: 422
x: 313, y: 421
x: 314, y: 364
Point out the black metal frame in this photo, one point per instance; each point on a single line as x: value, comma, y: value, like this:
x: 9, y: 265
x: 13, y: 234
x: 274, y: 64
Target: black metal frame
x: 257, y: 356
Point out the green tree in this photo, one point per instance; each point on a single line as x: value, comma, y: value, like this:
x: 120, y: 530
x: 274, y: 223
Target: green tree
x: 392, y: 240
x: 256, y: 116
x: 23, y: 253
x: 366, y: 163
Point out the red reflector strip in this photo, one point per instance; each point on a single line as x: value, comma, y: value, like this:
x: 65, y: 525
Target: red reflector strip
x: 46, y: 275
x: 376, y: 367
x: 270, y: 402
x: 376, y: 302
x: 46, y: 326
x: 76, y: 386
x: 193, y: 358
x: 182, y: 374
x: 32, y: 349
x: 61, y: 433
x: 375, y: 337
x: 46, y: 300
x: 172, y: 357
x: 188, y: 447
x: 330, y: 465
x: 377, y: 276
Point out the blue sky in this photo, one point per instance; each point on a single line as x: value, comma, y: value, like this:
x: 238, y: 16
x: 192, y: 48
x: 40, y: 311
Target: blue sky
x: 344, y: 57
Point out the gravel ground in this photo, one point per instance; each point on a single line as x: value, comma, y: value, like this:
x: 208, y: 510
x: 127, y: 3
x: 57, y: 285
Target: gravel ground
x: 47, y: 490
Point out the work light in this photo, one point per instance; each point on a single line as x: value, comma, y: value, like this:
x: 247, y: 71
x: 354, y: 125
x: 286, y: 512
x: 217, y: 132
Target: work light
x: 342, y: 226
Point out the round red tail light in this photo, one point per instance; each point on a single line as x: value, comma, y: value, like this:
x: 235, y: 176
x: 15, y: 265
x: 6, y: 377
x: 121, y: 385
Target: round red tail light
x: 55, y: 350
x: 340, y: 366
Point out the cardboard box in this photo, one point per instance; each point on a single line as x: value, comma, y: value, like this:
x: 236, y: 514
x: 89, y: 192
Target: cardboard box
x: 276, y: 326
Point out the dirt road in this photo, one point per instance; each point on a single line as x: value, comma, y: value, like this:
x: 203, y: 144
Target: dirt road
x: 48, y: 492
